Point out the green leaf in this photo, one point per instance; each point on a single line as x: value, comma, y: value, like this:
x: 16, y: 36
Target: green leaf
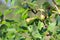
x: 36, y: 34
x: 58, y: 20
x: 3, y: 22
x: 46, y: 4
x: 7, y: 12
x: 30, y: 28
x: 8, y: 24
x: 20, y: 11
x: 57, y: 2
x: 11, y: 30
x: 40, y: 25
x: 52, y: 26
x: 32, y: 5
x: 23, y: 23
x: 10, y: 35
x: 25, y: 14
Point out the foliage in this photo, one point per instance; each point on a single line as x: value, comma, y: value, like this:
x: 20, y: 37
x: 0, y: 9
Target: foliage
x: 16, y: 24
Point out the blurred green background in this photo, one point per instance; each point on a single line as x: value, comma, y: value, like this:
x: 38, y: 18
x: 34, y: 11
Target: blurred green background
x: 29, y: 20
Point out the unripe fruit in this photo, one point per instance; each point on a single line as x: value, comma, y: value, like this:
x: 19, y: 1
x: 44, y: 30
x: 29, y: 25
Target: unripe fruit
x: 42, y: 17
x: 29, y: 20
